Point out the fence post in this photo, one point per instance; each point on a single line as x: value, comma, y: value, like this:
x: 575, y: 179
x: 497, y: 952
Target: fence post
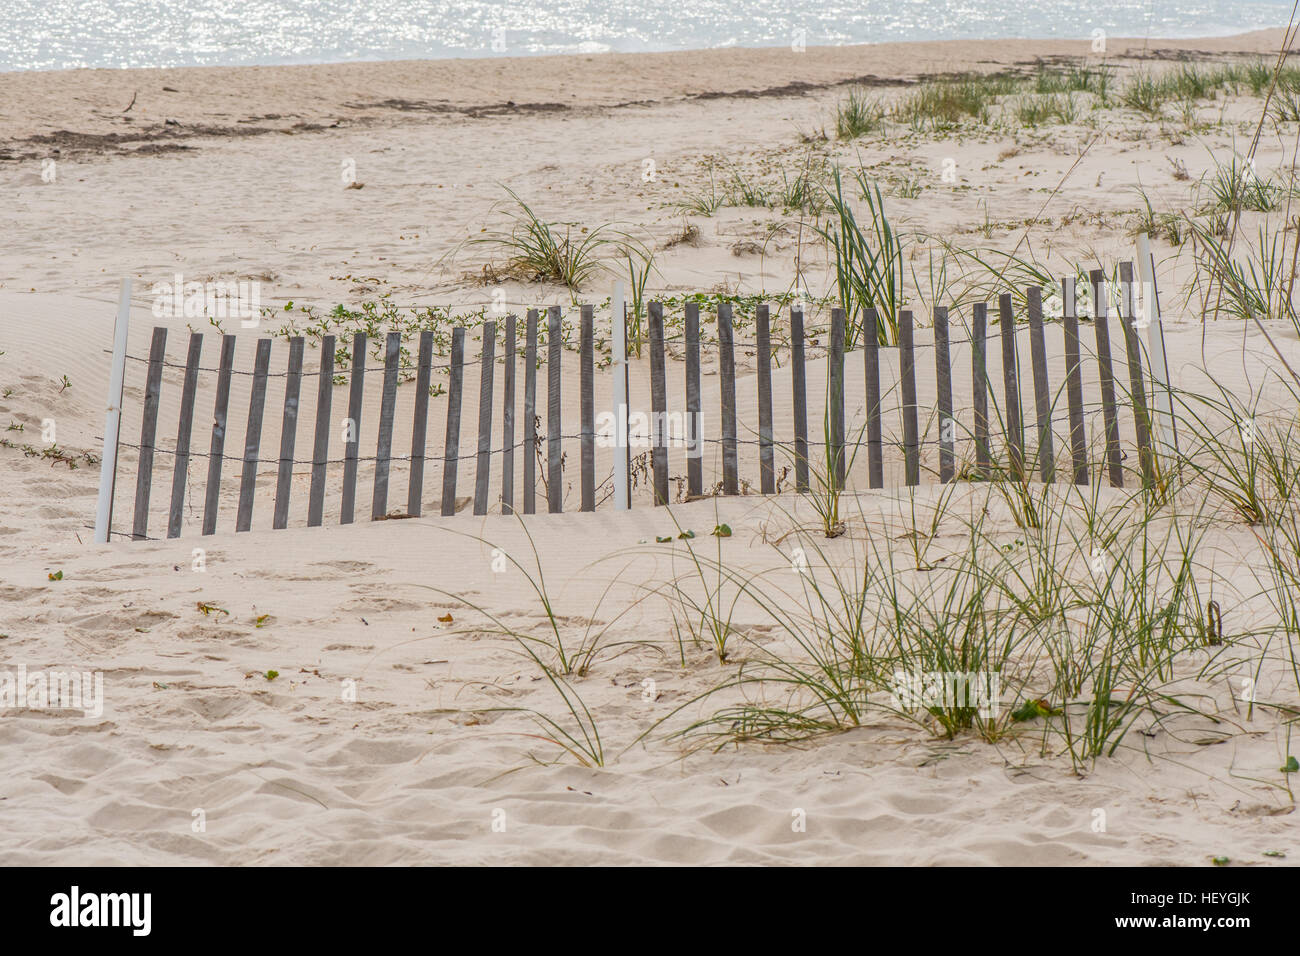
x: 727, y: 365
x: 907, y: 366
x: 113, y: 417
x: 766, y: 453
x: 1011, y: 387
x: 658, y: 405
x: 554, y: 418
x: 530, y: 413
x: 419, y: 427
x: 1107, y: 375
x: 943, y: 371
x: 384, y: 443
x: 508, y: 420
x: 483, y: 466
x: 350, y: 448
x: 871, y: 361
x: 587, y: 405
x: 1074, y: 380
x: 185, y: 428
x: 980, y: 374
x: 618, y: 358
x: 217, y: 448
x: 321, y: 442
x: 451, y: 449
x: 288, y: 433
x: 148, y: 433
x: 799, y: 403
x: 835, y: 397
x: 694, y: 417
x: 1137, y: 394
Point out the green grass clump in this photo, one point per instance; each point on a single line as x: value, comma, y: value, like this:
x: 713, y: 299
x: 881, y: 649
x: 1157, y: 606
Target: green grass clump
x: 857, y: 115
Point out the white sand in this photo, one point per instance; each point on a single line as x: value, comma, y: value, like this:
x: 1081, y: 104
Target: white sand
x: 415, y: 770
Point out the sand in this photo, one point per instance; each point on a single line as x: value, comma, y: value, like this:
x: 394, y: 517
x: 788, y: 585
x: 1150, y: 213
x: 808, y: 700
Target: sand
x: 426, y: 765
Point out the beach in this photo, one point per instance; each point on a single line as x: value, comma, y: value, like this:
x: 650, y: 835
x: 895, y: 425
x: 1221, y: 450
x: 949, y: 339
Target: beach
x: 372, y: 693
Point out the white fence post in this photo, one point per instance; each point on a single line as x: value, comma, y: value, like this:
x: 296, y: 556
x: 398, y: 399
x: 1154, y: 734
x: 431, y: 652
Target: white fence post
x: 113, y: 417
x: 1162, y: 398
x: 618, y: 323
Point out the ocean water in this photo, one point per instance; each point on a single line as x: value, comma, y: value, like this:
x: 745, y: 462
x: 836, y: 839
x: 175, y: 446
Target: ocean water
x: 60, y: 34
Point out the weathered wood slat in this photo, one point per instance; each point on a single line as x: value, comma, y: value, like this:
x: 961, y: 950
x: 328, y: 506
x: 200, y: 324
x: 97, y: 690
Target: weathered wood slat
x: 530, y: 449
x: 799, y: 399
x: 1042, y: 386
x: 1011, y: 388
x: 508, y: 420
x: 554, y: 418
x: 835, y: 401
x: 387, y: 410
x: 184, y: 429
x: 1106, y: 374
x: 981, y: 385
x: 451, y: 449
x: 587, y: 405
x: 1137, y: 387
x: 288, y: 433
x: 320, y: 452
x: 875, y: 435
x: 420, y: 425
x: 253, y: 436
x: 943, y: 388
x: 217, y: 448
x: 352, y: 429
x: 727, y: 371
x: 766, y: 453
x: 483, y: 466
x: 907, y: 366
x: 148, y: 433
x: 658, y: 404
x: 694, y: 416
x: 1074, y: 381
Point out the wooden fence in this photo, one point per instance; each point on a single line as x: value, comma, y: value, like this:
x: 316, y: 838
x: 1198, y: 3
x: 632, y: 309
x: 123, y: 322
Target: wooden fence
x: 994, y: 441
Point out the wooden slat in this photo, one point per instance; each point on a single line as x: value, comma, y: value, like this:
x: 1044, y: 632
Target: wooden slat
x: 766, y: 453
x: 217, y: 448
x: 1011, y: 388
x: 554, y: 419
x: 658, y: 405
x: 875, y: 437
x: 420, y: 425
x: 835, y: 400
x: 508, y: 420
x: 943, y: 387
x: 799, y: 398
x: 530, y: 415
x: 350, y: 448
x: 483, y: 466
x: 1074, y: 381
x: 320, y: 451
x: 148, y: 433
x: 694, y: 415
x: 451, y: 450
x: 980, y: 386
x: 727, y: 367
x: 1137, y: 387
x: 288, y: 433
x: 253, y: 436
x: 387, y: 410
x: 907, y: 366
x: 1106, y: 374
x: 587, y: 405
x: 180, y: 470
x: 1042, y: 386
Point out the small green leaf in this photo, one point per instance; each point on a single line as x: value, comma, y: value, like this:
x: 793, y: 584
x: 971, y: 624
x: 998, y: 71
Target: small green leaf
x: 1275, y: 853
x: 56, y: 576
x: 686, y: 534
x: 272, y: 675
x: 660, y: 539
x: 1220, y: 860
x: 1291, y: 766
x: 722, y: 531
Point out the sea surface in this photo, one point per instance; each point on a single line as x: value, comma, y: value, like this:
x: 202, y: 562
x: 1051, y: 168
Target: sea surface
x: 62, y: 34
